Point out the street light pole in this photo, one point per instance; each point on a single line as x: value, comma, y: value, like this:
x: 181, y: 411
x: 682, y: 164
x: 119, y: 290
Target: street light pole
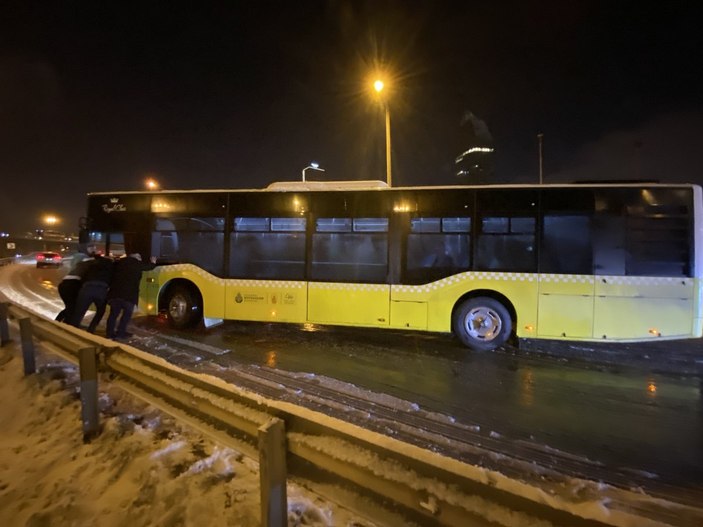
x: 540, y: 138
x: 389, y: 175
x: 378, y: 86
x: 312, y: 166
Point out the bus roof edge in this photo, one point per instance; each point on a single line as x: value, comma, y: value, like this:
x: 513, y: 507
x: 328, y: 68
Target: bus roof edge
x: 327, y: 185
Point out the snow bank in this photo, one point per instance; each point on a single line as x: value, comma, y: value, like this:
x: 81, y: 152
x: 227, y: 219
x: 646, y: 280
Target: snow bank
x: 144, y: 469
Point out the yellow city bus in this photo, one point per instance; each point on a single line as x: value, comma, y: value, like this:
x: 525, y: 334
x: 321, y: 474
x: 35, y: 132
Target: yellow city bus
x: 613, y: 262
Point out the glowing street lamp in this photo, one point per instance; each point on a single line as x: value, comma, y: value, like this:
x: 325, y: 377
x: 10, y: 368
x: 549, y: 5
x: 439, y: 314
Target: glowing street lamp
x: 378, y: 85
x: 151, y: 184
x: 312, y: 166
x: 51, y: 220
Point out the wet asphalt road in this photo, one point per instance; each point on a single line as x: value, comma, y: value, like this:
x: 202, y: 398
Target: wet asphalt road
x: 624, y: 415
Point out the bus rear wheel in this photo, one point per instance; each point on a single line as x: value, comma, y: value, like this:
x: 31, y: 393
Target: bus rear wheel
x: 183, y: 307
x: 482, y: 323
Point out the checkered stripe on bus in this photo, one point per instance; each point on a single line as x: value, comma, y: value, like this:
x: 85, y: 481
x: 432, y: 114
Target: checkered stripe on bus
x: 445, y: 282
x: 463, y: 277
x: 196, y: 270
x: 554, y: 278
x: 290, y: 284
x: 266, y: 283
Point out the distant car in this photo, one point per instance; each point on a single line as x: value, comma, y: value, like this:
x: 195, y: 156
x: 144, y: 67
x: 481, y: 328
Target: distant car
x: 48, y: 259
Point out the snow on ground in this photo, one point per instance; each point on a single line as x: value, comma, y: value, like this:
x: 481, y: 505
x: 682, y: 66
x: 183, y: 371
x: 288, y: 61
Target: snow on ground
x: 144, y: 469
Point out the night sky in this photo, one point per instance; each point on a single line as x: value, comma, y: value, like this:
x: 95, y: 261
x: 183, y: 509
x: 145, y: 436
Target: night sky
x: 97, y: 95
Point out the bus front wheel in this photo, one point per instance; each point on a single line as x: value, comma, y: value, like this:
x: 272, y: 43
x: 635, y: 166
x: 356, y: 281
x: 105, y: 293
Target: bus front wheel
x: 482, y: 323
x: 184, y: 307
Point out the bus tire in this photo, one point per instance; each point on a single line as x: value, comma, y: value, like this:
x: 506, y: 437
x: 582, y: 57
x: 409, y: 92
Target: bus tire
x: 184, y: 307
x: 482, y: 323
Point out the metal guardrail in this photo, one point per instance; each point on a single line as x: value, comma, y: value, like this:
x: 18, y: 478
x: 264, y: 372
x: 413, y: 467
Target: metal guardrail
x: 433, y: 489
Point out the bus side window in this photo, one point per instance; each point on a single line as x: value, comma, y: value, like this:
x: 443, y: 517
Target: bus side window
x: 436, y: 248
x: 506, y: 244
x: 350, y: 250
x: 566, y: 244
x: 164, y: 241
x: 268, y: 248
x: 609, y: 256
x: 166, y: 245
x: 643, y: 232
x: 195, y: 240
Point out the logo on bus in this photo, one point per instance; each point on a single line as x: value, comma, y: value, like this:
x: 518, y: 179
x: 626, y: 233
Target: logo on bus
x: 249, y: 297
x: 114, y: 206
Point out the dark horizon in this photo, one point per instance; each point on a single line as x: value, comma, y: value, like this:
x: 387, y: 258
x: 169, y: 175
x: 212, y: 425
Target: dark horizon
x: 238, y: 95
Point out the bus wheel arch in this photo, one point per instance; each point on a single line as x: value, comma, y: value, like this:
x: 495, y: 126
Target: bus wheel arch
x: 484, y: 320
x: 182, y: 302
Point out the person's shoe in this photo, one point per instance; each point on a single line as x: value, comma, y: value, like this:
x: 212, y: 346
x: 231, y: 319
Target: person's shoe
x: 124, y: 335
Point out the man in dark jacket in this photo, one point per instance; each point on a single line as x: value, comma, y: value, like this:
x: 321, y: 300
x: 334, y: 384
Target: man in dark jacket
x: 69, y: 288
x: 124, y: 293
x: 96, y: 281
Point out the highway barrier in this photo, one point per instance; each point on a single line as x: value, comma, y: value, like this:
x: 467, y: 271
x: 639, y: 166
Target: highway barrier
x: 7, y: 261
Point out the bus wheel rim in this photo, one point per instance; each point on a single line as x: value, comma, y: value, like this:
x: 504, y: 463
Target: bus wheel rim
x: 483, y: 324
x: 177, y: 307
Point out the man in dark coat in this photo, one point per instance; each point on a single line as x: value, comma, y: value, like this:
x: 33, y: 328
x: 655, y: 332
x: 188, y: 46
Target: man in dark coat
x: 96, y: 281
x: 124, y: 293
x: 69, y: 288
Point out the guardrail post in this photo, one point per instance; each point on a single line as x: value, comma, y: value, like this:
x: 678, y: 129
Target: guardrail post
x: 30, y: 366
x: 272, y: 474
x: 4, y: 328
x: 87, y: 362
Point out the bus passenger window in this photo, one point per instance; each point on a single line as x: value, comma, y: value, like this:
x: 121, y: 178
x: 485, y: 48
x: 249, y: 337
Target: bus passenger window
x: 456, y: 224
x: 268, y: 248
x: 196, y: 240
x: 370, y: 224
x: 566, y: 245
x: 436, y: 248
x: 506, y: 244
x: 288, y: 224
x: 642, y: 232
x: 252, y: 224
x: 350, y: 250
